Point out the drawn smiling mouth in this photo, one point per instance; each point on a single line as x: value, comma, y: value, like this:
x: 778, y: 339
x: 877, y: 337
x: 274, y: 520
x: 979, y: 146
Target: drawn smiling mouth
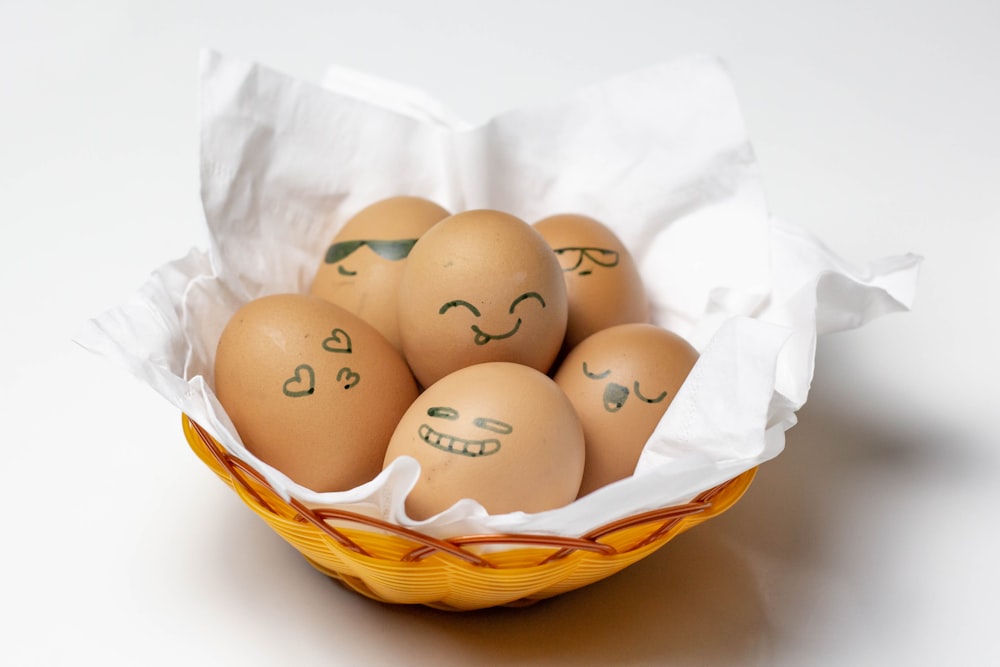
x: 482, y: 337
x: 455, y: 445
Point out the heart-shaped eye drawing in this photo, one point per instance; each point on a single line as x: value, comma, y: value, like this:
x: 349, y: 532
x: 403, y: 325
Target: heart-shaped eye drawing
x: 348, y: 377
x: 338, y: 341
x: 303, y: 383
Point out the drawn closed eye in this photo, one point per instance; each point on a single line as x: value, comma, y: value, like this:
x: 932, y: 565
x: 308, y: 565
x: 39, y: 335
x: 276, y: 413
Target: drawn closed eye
x: 659, y: 398
x: 595, y: 376
x: 455, y: 304
x: 523, y: 297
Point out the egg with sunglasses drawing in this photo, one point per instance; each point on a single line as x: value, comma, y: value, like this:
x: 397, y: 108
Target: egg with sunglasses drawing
x: 602, y: 280
x: 499, y: 433
x: 480, y: 286
x: 621, y: 381
x: 363, y: 264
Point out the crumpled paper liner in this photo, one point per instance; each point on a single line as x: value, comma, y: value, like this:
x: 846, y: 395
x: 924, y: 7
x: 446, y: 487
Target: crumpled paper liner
x: 660, y: 155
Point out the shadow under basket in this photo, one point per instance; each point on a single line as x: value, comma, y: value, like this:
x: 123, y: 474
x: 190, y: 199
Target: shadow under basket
x: 394, y: 564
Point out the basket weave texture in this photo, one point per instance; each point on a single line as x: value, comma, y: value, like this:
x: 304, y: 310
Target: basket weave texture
x: 394, y: 564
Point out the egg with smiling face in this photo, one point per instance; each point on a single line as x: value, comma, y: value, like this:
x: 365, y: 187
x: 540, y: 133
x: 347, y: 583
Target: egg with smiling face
x: 603, y: 283
x: 312, y: 390
x: 499, y: 433
x: 362, y: 266
x: 621, y: 380
x: 480, y: 286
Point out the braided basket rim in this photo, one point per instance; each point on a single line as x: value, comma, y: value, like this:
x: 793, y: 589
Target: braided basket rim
x: 251, y: 482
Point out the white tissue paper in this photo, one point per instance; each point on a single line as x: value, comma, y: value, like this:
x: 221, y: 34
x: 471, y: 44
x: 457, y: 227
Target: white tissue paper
x: 660, y: 155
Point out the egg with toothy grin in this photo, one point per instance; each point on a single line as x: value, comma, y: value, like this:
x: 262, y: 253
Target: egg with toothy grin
x: 500, y: 433
x: 456, y: 444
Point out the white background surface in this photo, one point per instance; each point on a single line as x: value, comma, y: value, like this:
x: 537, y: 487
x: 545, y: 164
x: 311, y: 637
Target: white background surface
x: 871, y: 540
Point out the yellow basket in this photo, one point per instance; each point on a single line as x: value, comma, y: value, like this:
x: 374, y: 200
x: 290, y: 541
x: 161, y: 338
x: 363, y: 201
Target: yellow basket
x: 394, y: 564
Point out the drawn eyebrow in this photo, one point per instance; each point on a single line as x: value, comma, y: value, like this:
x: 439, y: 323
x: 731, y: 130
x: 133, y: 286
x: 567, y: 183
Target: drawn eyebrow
x: 527, y: 295
x: 648, y: 400
x: 595, y: 376
x: 459, y: 302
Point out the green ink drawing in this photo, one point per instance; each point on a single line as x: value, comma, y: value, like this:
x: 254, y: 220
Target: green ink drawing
x: 598, y: 257
x: 443, y: 413
x: 302, y: 383
x: 495, y: 425
x: 339, y: 341
x: 463, y: 446
x: 393, y: 250
x: 526, y: 295
x: 481, y: 337
x: 615, y: 396
x: 455, y: 445
x: 595, y: 376
x: 348, y: 377
x: 659, y: 398
x: 456, y: 303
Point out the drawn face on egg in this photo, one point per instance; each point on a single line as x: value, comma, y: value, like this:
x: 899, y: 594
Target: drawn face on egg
x: 621, y: 380
x: 312, y: 389
x: 481, y: 286
x: 302, y: 382
x: 481, y: 337
x: 476, y: 436
x: 583, y: 261
x: 500, y: 433
x: 363, y: 263
x: 603, y: 284
x: 348, y: 264
x: 615, y: 395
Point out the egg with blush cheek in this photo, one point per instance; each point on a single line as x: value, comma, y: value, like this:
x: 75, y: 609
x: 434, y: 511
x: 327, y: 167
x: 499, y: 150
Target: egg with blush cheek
x: 363, y: 264
x: 313, y: 390
x: 603, y: 284
x: 502, y: 434
x: 621, y: 380
x: 480, y: 286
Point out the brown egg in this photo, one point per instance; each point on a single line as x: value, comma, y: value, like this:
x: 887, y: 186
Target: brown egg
x: 363, y: 265
x: 312, y: 389
x: 480, y: 286
x: 621, y: 380
x: 502, y: 434
x: 602, y: 280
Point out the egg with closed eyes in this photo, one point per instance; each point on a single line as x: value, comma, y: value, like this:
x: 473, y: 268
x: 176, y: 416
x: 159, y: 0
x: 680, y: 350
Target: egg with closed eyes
x: 621, y: 380
x: 480, y: 286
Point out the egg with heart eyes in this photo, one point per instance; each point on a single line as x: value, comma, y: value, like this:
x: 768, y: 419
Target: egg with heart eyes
x: 621, y: 380
x: 500, y: 433
x: 312, y: 389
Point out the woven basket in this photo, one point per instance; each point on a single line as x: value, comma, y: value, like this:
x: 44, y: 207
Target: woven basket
x: 394, y: 564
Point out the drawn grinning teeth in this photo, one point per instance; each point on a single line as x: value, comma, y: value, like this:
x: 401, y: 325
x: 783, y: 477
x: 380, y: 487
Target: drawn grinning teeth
x: 455, y: 445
